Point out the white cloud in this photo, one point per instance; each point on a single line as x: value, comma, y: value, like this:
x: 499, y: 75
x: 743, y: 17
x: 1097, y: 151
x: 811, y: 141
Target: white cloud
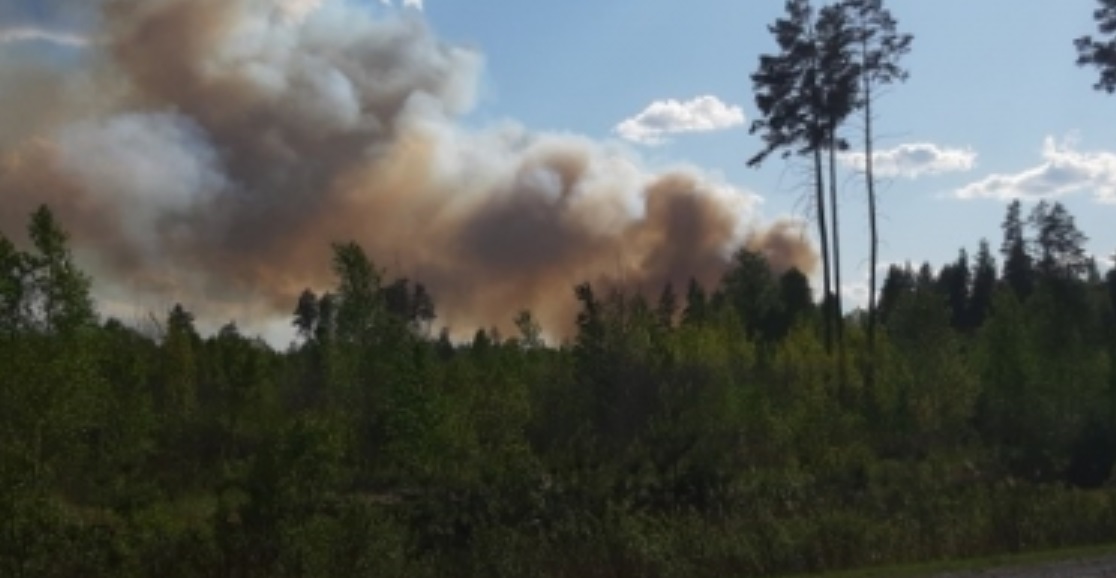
x: 416, y: 4
x: 913, y: 160
x: 1064, y: 170
x: 666, y: 117
x: 855, y: 295
x: 29, y: 34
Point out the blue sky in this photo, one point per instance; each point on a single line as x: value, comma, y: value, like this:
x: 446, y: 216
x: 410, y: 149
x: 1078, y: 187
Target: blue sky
x: 996, y: 89
x: 996, y: 108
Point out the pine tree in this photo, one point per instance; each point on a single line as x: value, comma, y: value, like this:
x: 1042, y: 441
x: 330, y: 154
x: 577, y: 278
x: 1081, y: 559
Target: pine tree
x: 840, y: 76
x: 697, y: 304
x: 804, y: 93
x: 750, y: 289
x: 667, y: 308
x: 984, y: 287
x: 1059, y: 245
x: 954, y: 283
x: 898, y: 284
x: 180, y: 350
x: 1101, y: 54
x: 1018, y: 268
x: 795, y: 299
x: 881, y: 47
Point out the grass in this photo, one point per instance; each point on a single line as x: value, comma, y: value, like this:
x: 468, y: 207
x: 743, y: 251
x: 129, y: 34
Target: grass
x: 974, y: 564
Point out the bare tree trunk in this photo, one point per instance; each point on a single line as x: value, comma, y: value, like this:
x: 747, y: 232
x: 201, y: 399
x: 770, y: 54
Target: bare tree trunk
x: 870, y: 180
x: 838, y: 310
x: 874, y: 233
x: 819, y: 189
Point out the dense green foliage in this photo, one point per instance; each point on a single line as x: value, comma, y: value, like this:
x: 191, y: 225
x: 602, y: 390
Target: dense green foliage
x: 704, y: 434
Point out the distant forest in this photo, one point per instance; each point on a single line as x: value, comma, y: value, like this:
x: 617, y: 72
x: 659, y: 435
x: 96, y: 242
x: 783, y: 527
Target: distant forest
x: 741, y: 429
x: 703, y: 433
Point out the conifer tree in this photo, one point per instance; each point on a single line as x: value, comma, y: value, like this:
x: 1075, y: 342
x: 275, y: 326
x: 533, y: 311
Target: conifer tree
x: 1018, y: 271
x: 804, y: 92
x: 880, y: 48
x: 1101, y: 53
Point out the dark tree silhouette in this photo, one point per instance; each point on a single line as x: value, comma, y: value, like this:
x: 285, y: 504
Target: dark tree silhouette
x: 374, y: 449
x: 840, y: 74
x: 43, y: 288
x: 667, y: 307
x: 881, y: 47
x: 751, y: 289
x: 795, y: 299
x: 1018, y: 266
x: 306, y: 314
x: 697, y: 304
x: 791, y: 95
x: 1059, y: 245
x: 899, y: 282
x: 984, y: 286
x: 11, y: 287
x: 1101, y: 54
x: 954, y: 282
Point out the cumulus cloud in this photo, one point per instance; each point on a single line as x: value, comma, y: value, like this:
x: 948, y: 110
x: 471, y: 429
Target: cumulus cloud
x: 1064, y: 170
x: 855, y: 295
x: 913, y: 160
x: 666, y: 117
x: 31, y: 34
x: 416, y: 4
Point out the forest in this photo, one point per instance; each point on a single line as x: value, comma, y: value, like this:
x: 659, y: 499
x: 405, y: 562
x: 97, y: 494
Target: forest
x: 742, y: 428
x: 705, y: 432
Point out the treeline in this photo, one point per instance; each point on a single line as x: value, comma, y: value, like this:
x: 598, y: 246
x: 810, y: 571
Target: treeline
x: 703, y: 432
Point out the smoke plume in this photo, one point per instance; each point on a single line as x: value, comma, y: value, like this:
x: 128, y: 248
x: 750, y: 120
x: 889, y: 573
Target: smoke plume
x: 208, y: 151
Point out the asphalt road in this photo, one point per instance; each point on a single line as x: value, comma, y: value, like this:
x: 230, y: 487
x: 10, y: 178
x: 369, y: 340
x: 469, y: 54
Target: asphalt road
x: 1102, y: 567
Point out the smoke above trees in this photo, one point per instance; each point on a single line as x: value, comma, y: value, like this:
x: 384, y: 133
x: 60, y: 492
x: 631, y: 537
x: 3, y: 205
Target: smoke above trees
x: 209, y: 151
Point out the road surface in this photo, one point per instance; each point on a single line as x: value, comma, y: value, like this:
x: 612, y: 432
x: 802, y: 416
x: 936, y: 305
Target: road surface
x: 1101, y: 567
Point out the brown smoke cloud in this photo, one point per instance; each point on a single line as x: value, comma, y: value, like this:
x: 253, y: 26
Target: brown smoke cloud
x: 210, y: 150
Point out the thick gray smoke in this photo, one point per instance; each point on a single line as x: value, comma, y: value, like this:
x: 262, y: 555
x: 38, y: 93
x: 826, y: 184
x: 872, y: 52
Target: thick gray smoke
x: 210, y: 151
